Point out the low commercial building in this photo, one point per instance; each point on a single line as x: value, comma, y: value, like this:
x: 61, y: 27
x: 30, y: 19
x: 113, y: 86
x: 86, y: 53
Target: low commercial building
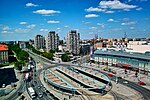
x: 3, y: 54
x: 134, y: 61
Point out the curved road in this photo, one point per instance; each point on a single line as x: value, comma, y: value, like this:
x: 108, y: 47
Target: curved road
x: 145, y: 92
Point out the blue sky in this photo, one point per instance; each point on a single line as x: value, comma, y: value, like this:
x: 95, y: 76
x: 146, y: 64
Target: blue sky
x: 23, y: 19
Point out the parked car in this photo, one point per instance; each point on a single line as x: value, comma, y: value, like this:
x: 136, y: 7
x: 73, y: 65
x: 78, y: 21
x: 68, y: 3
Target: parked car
x: 141, y: 83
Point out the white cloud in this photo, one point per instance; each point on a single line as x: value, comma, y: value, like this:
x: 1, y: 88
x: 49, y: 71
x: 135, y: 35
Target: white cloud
x: 66, y: 26
x: 116, y: 4
x: 129, y: 23
x: 101, y: 25
x: 31, y: 26
x: 53, y: 22
x: 91, y: 9
x: 93, y: 28
x: 139, y: 9
x: 84, y: 22
x: 132, y: 28
x: 45, y: 12
x: 110, y: 20
x: 116, y: 29
x: 91, y: 15
x: 43, y: 30
x: 108, y: 6
x: 9, y: 32
x: 125, y: 19
x: 23, y: 23
x: 58, y: 28
x: 21, y: 30
x: 5, y: 28
x: 109, y: 12
x: 126, y: 9
x: 129, y: 0
x: 31, y: 5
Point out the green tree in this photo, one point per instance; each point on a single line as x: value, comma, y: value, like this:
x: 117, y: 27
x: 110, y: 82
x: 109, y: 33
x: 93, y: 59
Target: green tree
x: 48, y: 55
x: 23, y: 55
x: 18, y: 65
x: 65, y: 58
x: 52, y: 51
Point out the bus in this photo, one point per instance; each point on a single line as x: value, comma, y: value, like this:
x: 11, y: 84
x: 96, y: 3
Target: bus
x: 31, y: 92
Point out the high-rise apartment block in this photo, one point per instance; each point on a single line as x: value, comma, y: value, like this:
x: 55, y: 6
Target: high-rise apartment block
x: 39, y: 42
x: 72, y: 41
x: 52, y: 41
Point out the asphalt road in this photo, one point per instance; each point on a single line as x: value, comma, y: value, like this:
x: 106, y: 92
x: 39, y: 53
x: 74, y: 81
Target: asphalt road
x: 37, y: 85
x: 145, y: 92
x: 21, y: 89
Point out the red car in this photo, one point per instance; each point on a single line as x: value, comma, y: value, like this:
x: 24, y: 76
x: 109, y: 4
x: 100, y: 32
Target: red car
x: 141, y: 83
x: 110, y: 75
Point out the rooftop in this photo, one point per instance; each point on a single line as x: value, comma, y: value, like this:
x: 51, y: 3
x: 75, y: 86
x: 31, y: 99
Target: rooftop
x: 123, y: 54
x: 3, y: 47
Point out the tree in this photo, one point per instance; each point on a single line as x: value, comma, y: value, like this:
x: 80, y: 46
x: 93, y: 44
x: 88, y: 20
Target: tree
x: 48, y: 55
x: 23, y: 55
x: 65, y: 58
x: 52, y: 51
x: 18, y: 65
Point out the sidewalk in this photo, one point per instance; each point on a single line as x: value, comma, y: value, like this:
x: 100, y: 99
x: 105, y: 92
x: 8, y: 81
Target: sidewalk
x: 120, y: 90
x: 130, y: 76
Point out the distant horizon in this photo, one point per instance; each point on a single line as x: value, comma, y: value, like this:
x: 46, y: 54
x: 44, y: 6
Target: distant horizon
x: 108, y: 19
x: 80, y: 38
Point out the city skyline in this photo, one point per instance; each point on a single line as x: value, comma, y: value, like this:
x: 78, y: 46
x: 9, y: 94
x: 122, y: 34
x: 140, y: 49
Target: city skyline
x: 22, y: 20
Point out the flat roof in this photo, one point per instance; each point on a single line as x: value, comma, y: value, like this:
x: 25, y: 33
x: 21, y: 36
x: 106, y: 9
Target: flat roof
x: 123, y: 54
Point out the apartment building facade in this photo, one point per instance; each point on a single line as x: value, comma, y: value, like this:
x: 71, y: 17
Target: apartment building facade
x: 52, y: 41
x: 39, y: 42
x: 72, y: 42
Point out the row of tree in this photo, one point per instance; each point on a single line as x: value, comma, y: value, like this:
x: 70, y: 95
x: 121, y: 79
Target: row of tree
x: 65, y: 57
x: 21, y: 55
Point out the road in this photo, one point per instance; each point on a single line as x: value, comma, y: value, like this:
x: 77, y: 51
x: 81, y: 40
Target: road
x: 37, y: 85
x: 145, y: 92
x: 20, y: 89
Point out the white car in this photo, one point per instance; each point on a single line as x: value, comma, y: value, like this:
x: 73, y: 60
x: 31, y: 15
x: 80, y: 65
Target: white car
x: 126, y: 82
x: 40, y: 94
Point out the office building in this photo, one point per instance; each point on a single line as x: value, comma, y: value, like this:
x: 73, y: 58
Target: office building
x: 52, y: 41
x: 72, y: 42
x: 39, y: 42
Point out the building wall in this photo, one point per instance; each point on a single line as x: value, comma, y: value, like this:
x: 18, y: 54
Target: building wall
x: 3, y: 56
x: 144, y: 65
x: 138, y: 48
x: 52, y: 41
x: 72, y: 41
x: 39, y: 42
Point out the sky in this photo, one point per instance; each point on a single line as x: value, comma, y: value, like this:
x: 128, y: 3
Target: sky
x: 23, y: 19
